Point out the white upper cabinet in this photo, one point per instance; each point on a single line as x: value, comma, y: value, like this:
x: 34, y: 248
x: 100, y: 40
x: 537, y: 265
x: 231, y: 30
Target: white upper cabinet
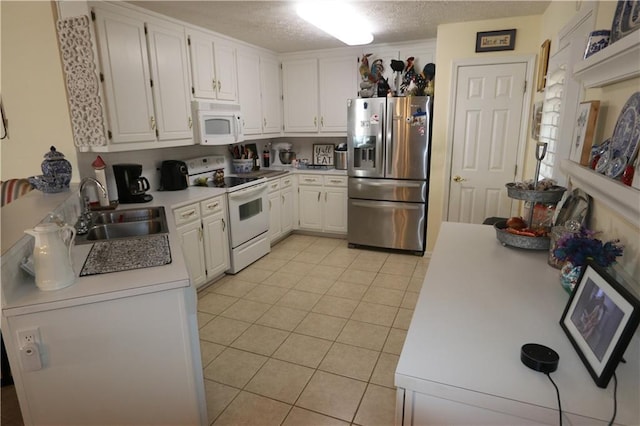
x: 249, y: 91
x: 316, y: 92
x: 146, y: 80
x: 338, y: 82
x: 213, y: 67
x: 125, y: 68
x: 169, y: 72
x: 259, y: 92
x: 271, y: 94
x: 300, y: 92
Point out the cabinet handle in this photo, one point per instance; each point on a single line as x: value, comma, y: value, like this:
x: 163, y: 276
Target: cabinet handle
x: 190, y: 122
x: 152, y: 119
x: 322, y: 121
x: 309, y: 180
x: 325, y: 197
x: 214, y: 84
x: 188, y: 214
x: 269, y: 204
x: 286, y: 182
x: 219, y: 86
x: 264, y: 120
x: 212, y: 206
x: 335, y: 181
x: 315, y: 121
x: 282, y: 199
x: 224, y: 225
x: 318, y: 196
x: 274, y: 186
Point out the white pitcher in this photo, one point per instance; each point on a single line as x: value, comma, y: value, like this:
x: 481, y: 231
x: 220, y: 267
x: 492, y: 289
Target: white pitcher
x: 52, y: 255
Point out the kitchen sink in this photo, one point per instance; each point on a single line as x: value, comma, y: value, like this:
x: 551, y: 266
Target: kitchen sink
x: 130, y: 215
x: 128, y: 223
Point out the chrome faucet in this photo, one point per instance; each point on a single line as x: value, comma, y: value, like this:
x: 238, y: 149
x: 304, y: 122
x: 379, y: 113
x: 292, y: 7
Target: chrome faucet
x: 82, y: 225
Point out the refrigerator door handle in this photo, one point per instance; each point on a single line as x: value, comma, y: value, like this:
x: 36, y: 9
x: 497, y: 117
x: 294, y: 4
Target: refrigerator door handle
x: 386, y: 205
x: 388, y: 151
x: 393, y: 183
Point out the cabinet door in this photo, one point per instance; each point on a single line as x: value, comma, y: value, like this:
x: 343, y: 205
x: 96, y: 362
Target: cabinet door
x: 191, y: 240
x: 275, y: 211
x: 311, y: 210
x: 168, y: 53
x: 249, y: 91
x: 216, y: 244
x: 271, y: 95
x: 335, y: 210
x: 338, y: 83
x: 286, y: 215
x: 202, y: 67
x: 226, y: 74
x: 125, y: 65
x: 300, y: 91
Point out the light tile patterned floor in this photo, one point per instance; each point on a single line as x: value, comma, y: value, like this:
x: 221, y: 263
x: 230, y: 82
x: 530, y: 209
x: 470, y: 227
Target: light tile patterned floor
x: 309, y: 335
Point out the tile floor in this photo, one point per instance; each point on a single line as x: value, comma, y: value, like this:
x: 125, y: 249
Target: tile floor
x: 308, y: 335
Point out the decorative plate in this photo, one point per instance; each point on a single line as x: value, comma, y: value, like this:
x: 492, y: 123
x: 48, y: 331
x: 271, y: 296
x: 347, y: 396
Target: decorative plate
x: 625, y: 19
x: 626, y: 134
x: 616, y: 166
x: 603, y: 162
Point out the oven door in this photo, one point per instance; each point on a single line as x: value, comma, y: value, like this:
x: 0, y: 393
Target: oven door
x: 248, y: 213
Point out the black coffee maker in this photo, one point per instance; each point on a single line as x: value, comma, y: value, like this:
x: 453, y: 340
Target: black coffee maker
x: 131, y: 186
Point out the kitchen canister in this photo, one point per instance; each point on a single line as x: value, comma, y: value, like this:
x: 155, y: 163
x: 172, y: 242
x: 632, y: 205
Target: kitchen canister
x: 598, y: 40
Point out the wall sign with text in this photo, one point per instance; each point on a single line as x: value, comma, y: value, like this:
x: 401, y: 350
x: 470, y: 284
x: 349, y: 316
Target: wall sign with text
x: 492, y: 41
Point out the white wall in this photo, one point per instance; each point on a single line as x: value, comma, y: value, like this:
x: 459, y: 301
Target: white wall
x: 33, y: 90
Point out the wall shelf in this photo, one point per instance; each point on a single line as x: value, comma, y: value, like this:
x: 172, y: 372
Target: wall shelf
x: 620, y: 198
x: 614, y: 63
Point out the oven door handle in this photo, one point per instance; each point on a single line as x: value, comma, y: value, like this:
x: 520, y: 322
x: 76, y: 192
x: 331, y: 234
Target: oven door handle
x: 247, y: 192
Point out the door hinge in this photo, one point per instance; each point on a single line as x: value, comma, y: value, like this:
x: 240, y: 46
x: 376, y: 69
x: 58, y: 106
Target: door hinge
x: 151, y: 82
x: 109, y: 135
x: 157, y: 133
x: 188, y: 41
x: 93, y: 15
x: 193, y: 90
x: 101, y: 78
x: 145, y: 28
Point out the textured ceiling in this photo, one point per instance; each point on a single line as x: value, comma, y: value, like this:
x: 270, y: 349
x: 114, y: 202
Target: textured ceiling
x: 274, y: 24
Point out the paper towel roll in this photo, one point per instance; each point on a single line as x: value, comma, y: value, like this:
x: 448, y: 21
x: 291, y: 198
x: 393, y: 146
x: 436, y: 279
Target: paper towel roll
x: 101, y: 177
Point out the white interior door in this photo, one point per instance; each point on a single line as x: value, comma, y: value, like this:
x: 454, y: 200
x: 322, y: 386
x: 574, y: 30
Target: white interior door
x: 486, y: 133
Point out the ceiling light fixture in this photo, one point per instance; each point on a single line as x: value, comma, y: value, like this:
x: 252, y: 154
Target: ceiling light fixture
x: 337, y: 19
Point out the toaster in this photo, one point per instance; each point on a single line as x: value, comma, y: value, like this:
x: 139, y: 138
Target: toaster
x: 173, y: 175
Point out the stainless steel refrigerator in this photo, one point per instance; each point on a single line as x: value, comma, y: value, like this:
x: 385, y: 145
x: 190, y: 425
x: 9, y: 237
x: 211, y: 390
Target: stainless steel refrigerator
x: 388, y: 142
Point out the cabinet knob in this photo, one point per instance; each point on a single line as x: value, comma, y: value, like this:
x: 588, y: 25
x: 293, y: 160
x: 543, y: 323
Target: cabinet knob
x: 152, y: 120
x: 458, y: 179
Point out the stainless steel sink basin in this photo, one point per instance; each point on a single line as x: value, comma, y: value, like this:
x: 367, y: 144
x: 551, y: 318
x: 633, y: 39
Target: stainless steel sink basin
x: 129, y: 223
x: 125, y: 230
x: 129, y: 215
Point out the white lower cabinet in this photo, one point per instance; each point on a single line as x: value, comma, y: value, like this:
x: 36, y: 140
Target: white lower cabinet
x: 323, y: 203
x: 204, y: 237
x: 280, y: 207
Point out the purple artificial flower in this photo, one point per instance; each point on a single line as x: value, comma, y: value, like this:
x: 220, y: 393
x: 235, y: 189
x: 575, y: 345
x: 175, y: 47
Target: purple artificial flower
x: 579, y: 247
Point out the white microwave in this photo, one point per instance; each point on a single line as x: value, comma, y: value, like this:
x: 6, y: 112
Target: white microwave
x: 217, y: 123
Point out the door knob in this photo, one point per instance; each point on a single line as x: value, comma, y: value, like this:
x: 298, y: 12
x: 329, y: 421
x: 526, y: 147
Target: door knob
x: 458, y: 179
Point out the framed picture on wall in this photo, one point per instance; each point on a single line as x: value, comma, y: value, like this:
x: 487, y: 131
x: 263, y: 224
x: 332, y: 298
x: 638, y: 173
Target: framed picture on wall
x: 543, y: 63
x: 492, y: 41
x: 583, y: 132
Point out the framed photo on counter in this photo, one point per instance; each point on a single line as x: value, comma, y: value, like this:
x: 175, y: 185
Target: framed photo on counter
x: 600, y: 320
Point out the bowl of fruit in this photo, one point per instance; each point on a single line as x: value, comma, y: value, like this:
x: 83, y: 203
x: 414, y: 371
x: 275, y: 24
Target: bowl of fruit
x: 515, y: 232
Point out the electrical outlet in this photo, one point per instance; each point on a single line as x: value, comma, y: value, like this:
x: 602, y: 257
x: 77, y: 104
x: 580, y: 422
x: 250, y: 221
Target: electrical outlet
x: 30, y: 336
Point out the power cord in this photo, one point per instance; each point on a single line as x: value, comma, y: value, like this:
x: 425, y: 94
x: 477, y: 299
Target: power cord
x: 615, y: 398
x: 558, y: 394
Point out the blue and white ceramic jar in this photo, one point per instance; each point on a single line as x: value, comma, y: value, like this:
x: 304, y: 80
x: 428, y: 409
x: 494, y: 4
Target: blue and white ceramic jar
x: 56, y: 168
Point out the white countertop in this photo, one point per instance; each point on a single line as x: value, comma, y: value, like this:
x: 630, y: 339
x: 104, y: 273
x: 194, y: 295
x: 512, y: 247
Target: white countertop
x: 479, y: 304
x: 21, y: 295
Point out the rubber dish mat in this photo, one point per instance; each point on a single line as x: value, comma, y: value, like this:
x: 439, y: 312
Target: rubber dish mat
x: 125, y: 255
